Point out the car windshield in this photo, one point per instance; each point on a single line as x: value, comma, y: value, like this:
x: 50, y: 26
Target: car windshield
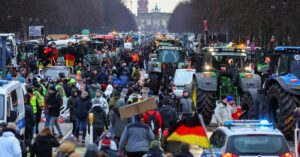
x: 257, y: 144
x: 295, y: 64
x: 2, y: 109
x: 183, y: 77
x: 169, y: 56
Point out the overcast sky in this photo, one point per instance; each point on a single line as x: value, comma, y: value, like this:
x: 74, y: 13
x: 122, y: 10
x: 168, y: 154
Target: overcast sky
x: 164, y: 5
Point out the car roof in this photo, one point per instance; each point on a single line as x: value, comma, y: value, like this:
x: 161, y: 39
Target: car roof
x: 185, y: 70
x: 244, y: 130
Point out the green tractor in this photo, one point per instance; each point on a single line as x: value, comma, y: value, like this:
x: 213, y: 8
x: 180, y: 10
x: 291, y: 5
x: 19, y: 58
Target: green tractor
x: 163, y: 65
x: 222, y: 71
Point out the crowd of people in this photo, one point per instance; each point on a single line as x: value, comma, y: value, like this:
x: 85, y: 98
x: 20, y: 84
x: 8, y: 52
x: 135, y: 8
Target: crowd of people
x: 100, y: 92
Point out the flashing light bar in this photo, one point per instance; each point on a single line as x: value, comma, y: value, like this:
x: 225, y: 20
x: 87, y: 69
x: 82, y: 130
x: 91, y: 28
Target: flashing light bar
x: 169, y: 48
x: 261, y: 123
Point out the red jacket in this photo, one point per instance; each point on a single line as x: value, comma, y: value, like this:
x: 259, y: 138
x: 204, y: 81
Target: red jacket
x: 151, y: 113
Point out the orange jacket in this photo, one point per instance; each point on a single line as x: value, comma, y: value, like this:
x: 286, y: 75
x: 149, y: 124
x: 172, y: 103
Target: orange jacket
x: 135, y: 58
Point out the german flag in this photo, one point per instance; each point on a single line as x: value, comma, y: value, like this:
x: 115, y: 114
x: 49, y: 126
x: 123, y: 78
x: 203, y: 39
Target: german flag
x: 238, y: 113
x: 190, y: 131
x: 70, y: 60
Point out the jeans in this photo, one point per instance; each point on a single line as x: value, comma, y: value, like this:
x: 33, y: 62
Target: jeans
x: 81, y: 126
x: 53, y: 121
x: 97, y: 132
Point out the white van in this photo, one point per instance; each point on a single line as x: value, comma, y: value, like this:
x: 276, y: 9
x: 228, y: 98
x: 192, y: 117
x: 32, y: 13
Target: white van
x: 12, y: 107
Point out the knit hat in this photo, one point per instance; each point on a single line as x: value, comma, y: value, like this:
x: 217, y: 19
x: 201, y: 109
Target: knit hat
x: 84, y: 93
x: 105, y: 142
x: 230, y: 98
x: 155, y: 144
x: 52, y: 88
x: 72, y: 81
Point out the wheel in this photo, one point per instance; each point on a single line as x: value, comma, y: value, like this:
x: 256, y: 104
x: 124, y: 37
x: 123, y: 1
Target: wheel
x: 205, y: 102
x: 282, y: 106
x: 154, y: 83
x: 248, y: 106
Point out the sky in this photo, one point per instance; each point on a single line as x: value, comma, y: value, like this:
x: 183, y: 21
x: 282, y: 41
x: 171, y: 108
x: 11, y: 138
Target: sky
x: 164, y: 5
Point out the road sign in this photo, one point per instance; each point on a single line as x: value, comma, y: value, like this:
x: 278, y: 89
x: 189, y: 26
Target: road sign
x: 85, y: 32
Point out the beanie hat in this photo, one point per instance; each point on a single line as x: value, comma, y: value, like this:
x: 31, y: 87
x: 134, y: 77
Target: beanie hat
x: 155, y: 144
x: 105, y: 142
x: 52, y: 88
x: 84, y: 93
x: 230, y: 98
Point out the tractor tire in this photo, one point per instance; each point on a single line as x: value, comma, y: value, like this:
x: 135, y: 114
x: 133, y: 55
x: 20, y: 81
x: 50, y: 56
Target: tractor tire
x: 154, y: 83
x: 282, y: 105
x: 248, y: 106
x: 205, y: 103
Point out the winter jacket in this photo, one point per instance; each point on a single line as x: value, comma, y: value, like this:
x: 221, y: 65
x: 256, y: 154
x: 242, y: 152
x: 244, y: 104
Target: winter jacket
x: 186, y: 106
x: 100, y: 119
x: 91, y: 151
x: 184, y: 154
x: 168, y: 114
x: 10, y: 145
x: 223, y: 112
x: 71, y: 105
x: 138, y: 137
x: 29, y: 117
x: 53, y: 104
x: 108, y: 91
x: 102, y: 102
x: 117, y: 123
x: 124, y: 79
x: 157, y: 116
x: 102, y: 78
x: 154, y: 152
x: 82, y: 107
x: 42, y: 146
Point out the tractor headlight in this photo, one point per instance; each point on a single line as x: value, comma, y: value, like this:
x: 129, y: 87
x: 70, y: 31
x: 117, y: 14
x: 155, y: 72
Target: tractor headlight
x: 211, y: 49
x: 248, y: 68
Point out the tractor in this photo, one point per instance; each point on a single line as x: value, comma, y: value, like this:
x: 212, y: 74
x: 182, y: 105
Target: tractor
x: 222, y: 71
x: 282, y: 90
x: 163, y: 65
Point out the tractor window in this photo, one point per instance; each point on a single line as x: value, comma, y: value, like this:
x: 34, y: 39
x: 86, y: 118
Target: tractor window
x: 224, y: 62
x: 283, y: 66
x: 2, y: 107
x: 295, y: 64
x: 170, y: 56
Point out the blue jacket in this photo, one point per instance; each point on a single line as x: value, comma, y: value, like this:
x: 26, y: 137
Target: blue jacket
x: 82, y: 107
x: 124, y: 79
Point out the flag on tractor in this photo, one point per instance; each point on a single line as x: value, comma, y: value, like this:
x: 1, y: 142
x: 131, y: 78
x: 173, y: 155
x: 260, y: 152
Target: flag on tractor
x: 190, y: 131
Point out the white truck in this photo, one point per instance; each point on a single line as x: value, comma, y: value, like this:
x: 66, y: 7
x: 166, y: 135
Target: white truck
x: 11, y: 44
x: 12, y: 107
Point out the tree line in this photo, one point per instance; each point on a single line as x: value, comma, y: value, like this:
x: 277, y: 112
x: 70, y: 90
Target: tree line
x: 259, y: 21
x: 65, y: 16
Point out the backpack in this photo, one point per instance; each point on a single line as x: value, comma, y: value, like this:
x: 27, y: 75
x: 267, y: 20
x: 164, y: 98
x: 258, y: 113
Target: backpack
x: 60, y: 154
x: 152, y: 121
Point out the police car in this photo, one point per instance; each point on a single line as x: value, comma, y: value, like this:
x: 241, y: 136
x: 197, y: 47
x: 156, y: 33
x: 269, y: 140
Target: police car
x: 246, y: 138
x: 12, y: 107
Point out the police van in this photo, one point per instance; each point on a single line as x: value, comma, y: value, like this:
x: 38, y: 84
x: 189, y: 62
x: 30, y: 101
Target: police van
x: 247, y: 138
x: 12, y: 107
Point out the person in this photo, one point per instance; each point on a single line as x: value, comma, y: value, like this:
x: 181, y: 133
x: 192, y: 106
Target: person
x: 34, y: 104
x: 39, y: 108
x: 185, y: 151
x: 71, y: 105
x: 91, y: 151
x: 107, y: 140
x: 168, y: 113
x: 155, y: 150
x: 186, y: 105
x: 67, y: 148
x: 223, y: 110
x: 9, y: 144
x: 154, y: 121
x: 82, y: 107
x: 102, y: 77
x: 43, y: 144
x: 59, y: 87
x: 3, y: 126
x: 53, y: 102
x: 169, y: 146
x: 100, y: 121
x: 135, y: 58
x: 138, y: 137
x: 69, y: 53
x: 29, y: 120
x: 106, y: 148
x: 117, y: 124
x: 99, y: 100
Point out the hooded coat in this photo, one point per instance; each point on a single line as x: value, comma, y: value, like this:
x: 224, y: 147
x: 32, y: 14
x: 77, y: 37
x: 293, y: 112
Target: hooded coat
x: 42, y: 146
x: 71, y: 105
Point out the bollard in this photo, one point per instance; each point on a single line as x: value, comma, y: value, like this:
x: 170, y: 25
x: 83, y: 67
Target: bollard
x: 91, y: 121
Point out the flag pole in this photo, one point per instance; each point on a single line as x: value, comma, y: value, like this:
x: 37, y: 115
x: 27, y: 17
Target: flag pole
x: 203, y: 124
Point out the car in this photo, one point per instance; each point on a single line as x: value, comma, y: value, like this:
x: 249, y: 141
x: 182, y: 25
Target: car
x: 181, y: 78
x: 247, y: 138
